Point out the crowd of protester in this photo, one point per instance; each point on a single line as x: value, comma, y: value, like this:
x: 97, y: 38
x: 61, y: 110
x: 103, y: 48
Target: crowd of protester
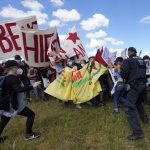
x: 20, y: 78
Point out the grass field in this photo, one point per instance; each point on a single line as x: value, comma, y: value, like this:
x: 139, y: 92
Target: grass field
x: 71, y: 129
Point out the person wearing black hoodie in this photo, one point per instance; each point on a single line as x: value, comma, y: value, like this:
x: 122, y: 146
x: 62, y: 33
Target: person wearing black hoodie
x: 13, y: 87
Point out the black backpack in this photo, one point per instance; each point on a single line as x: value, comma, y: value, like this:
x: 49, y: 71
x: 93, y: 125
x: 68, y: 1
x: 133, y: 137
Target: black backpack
x: 4, y: 100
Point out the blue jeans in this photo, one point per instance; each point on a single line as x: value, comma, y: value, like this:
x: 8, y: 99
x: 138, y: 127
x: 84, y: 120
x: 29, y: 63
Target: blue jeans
x: 119, y: 91
x: 35, y: 89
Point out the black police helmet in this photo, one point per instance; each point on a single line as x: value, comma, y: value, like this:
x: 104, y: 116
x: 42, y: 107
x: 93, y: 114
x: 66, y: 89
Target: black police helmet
x: 132, y: 49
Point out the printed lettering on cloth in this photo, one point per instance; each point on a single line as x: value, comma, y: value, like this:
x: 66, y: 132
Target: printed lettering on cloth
x: 35, y: 45
x: 77, y: 85
x: 10, y: 40
x: 72, y: 46
x: 57, y: 57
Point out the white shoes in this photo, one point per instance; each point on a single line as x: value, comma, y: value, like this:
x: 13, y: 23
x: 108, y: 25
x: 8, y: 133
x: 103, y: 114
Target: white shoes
x: 78, y: 106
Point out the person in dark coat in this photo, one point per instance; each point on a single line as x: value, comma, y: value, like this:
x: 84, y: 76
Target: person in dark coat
x: 133, y: 71
x: 13, y: 87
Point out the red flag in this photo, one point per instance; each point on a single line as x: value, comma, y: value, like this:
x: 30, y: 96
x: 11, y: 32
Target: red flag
x: 53, y: 77
x: 98, y: 57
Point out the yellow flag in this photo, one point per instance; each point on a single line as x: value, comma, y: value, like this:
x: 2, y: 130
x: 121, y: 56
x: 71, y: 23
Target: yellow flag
x: 77, y: 85
x: 85, y: 82
x: 61, y: 88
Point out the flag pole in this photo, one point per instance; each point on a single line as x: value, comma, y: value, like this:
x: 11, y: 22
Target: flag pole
x: 140, y: 53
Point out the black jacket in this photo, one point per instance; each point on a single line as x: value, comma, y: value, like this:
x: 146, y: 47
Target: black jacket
x: 12, y: 86
x: 133, y: 68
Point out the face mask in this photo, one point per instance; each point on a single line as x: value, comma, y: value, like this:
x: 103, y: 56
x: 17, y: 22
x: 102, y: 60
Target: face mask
x: 18, y: 61
x: 19, y: 71
x: 49, y: 72
x: 70, y: 63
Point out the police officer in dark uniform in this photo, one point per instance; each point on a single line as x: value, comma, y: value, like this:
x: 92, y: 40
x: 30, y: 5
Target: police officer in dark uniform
x: 133, y: 71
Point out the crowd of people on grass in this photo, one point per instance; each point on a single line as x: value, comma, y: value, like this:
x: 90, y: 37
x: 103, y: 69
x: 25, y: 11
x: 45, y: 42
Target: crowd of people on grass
x: 21, y: 84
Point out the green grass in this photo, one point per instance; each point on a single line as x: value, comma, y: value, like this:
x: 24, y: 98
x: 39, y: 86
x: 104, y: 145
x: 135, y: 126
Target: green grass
x: 71, y: 129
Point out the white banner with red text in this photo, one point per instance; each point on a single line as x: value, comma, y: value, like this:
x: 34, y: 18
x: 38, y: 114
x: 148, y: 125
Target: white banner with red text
x: 10, y: 40
x: 35, y: 45
x: 72, y: 47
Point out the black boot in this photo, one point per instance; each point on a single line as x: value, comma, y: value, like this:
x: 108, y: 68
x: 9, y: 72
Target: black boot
x: 135, y: 137
x: 2, y: 139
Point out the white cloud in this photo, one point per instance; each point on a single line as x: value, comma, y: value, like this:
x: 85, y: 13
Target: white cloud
x: 54, y: 23
x: 97, y: 20
x: 12, y: 12
x: 145, y: 20
x: 112, y: 50
x: 32, y: 4
x: 96, y: 35
x: 114, y: 41
x: 115, y: 50
x: 57, y: 2
x: 145, y: 53
x: 118, y: 50
x: 41, y: 17
x: 94, y: 43
x: 92, y: 53
x: 66, y: 15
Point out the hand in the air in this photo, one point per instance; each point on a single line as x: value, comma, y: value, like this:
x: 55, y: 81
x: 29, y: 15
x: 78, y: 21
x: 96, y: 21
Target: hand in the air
x: 36, y: 84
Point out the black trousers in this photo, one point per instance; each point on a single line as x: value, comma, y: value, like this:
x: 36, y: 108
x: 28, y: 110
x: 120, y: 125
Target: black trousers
x: 133, y: 103
x: 26, y: 112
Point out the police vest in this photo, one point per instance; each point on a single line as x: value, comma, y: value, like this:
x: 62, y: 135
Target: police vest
x: 138, y: 67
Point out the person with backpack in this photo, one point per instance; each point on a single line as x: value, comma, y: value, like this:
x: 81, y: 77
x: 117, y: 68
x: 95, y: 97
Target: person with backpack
x: 12, y: 101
